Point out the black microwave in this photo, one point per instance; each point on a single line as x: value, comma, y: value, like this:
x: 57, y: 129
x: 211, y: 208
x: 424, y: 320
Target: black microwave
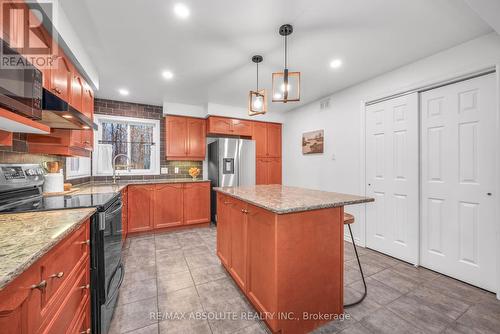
x: 20, y: 87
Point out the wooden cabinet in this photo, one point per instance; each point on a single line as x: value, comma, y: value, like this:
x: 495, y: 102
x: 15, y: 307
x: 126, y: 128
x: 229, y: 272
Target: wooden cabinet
x: 262, y: 288
x: 5, y: 138
x: 185, y: 138
x: 238, y: 261
x: 60, y: 84
x: 223, y: 229
x: 88, y: 101
x: 168, y: 205
x: 196, y: 202
x: 267, y: 137
x: 124, y: 213
x: 62, y: 142
x: 268, y: 171
x: 77, y: 91
x: 229, y: 126
x: 53, y: 293
x: 140, y: 208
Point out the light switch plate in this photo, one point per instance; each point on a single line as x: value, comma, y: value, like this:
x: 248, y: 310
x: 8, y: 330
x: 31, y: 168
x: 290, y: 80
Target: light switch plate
x: 164, y: 170
x: 176, y: 171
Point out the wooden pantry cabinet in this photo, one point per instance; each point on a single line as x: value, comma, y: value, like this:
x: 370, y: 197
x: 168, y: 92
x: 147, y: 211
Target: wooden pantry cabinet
x: 267, y: 138
x: 167, y: 205
x: 268, y: 171
x: 185, y: 138
x: 52, y: 295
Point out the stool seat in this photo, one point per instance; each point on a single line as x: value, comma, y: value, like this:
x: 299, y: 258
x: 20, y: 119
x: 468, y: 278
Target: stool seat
x: 348, y: 218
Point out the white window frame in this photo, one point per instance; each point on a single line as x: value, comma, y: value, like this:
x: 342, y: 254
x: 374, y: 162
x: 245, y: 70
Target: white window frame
x: 84, y: 168
x: 155, y: 157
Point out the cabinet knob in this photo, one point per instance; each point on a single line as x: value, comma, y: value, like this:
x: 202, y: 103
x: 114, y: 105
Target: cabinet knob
x: 87, y: 331
x: 86, y: 242
x: 58, y: 275
x: 84, y: 287
x: 40, y: 286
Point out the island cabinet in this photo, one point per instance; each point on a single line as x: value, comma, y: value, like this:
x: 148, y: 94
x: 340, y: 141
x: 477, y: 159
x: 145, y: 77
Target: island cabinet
x: 285, y: 264
x: 185, y: 138
x: 167, y: 205
x: 52, y: 295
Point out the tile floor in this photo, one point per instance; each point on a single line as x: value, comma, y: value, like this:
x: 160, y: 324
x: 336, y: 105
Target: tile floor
x: 179, y: 272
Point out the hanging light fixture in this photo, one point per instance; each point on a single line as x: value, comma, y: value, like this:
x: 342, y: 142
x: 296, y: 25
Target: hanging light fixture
x: 257, y: 100
x: 286, y: 85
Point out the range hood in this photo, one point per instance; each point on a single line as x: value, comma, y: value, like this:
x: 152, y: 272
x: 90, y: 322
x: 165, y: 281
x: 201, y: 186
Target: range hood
x: 58, y: 114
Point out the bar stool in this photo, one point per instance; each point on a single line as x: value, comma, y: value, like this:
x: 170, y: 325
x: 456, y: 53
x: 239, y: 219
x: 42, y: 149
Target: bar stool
x: 348, y: 220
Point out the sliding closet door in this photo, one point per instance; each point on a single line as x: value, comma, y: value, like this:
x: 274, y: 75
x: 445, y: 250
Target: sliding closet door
x: 392, y: 177
x: 458, y: 168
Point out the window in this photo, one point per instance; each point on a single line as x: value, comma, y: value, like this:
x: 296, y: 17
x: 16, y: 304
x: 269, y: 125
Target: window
x: 135, y: 138
x: 77, y: 167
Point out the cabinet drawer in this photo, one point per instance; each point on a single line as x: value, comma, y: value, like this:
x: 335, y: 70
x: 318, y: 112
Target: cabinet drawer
x: 61, y: 264
x: 81, y: 323
x: 74, y: 302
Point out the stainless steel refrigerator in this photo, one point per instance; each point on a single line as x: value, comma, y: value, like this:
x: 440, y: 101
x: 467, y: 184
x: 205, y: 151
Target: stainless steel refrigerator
x: 231, y: 163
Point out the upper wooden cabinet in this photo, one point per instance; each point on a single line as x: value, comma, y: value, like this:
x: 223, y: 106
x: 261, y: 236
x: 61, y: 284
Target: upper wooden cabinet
x: 229, y: 126
x: 60, y: 83
x: 62, y: 142
x: 268, y: 139
x: 77, y: 91
x: 185, y: 138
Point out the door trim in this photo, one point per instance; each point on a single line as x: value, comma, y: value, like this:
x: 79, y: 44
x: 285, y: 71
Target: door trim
x: 484, y: 70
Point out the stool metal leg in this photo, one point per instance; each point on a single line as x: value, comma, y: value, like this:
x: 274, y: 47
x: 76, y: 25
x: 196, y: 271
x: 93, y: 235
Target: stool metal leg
x: 360, y: 269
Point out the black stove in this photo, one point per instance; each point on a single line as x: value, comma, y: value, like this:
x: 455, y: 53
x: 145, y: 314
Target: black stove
x: 21, y: 191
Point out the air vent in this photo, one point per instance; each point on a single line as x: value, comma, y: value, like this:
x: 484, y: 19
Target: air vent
x: 324, y: 105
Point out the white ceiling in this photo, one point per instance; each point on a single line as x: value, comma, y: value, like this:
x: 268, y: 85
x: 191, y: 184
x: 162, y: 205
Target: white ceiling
x: 131, y: 42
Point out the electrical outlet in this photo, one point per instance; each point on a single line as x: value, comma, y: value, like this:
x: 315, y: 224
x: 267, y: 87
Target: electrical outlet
x: 176, y: 170
x: 164, y: 170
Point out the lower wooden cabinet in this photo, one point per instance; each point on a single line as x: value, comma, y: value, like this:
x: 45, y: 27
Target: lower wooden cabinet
x: 124, y: 213
x: 165, y: 205
x: 223, y: 229
x: 140, y: 208
x: 238, y: 227
x: 268, y: 171
x: 52, y: 295
x: 168, y: 205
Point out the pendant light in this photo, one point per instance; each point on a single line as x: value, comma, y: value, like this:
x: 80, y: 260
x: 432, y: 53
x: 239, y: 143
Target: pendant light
x: 286, y: 85
x: 257, y: 100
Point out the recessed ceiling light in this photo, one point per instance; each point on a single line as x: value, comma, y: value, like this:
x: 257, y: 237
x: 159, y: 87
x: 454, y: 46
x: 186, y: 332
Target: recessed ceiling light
x: 123, y: 91
x: 167, y: 75
x: 336, y: 63
x: 181, y: 10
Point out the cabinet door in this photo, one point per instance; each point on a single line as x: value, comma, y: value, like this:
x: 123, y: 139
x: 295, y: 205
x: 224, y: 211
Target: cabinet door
x: 223, y: 229
x: 238, y: 261
x: 274, y: 171
x: 88, y: 102
x: 241, y: 128
x: 76, y: 95
x: 170, y: 214
x: 60, y: 76
x: 261, y: 171
x: 196, y: 129
x: 219, y: 125
x: 260, y: 136
x: 262, y: 276
x: 140, y: 209
x: 274, y: 140
x: 196, y: 203
x: 176, y: 136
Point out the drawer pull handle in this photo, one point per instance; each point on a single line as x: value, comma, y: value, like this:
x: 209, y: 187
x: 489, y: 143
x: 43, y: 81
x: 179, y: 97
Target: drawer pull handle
x: 87, y: 331
x: 40, y: 286
x: 86, y: 242
x: 84, y: 287
x: 58, y: 275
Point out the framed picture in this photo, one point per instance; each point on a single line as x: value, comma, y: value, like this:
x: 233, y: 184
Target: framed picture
x: 313, y: 142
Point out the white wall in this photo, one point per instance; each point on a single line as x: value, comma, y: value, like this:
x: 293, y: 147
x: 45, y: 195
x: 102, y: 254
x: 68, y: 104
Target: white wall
x: 215, y: 109
x: 342, y: 122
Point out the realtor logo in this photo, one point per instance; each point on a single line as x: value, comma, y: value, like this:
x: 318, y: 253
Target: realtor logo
x: 26, y: 42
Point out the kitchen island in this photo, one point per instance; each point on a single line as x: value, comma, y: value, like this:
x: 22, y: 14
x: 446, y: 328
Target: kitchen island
x: 283, y: 246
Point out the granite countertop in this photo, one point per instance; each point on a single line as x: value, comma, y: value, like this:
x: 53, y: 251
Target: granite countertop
x: 107, y: 187
x: 26, y: 237
x: 282, y: 199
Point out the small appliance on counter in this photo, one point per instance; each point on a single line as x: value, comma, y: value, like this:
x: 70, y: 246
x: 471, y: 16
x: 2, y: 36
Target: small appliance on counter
x: 21, y: 191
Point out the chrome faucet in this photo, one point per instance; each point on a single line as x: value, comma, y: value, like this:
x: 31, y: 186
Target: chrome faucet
x: 114, y: 165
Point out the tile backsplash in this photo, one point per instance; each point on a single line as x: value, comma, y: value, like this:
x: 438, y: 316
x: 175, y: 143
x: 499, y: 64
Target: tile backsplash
x: 18, y: 153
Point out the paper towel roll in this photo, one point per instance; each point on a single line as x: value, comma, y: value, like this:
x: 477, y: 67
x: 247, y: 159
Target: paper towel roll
x: 54, y: 182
